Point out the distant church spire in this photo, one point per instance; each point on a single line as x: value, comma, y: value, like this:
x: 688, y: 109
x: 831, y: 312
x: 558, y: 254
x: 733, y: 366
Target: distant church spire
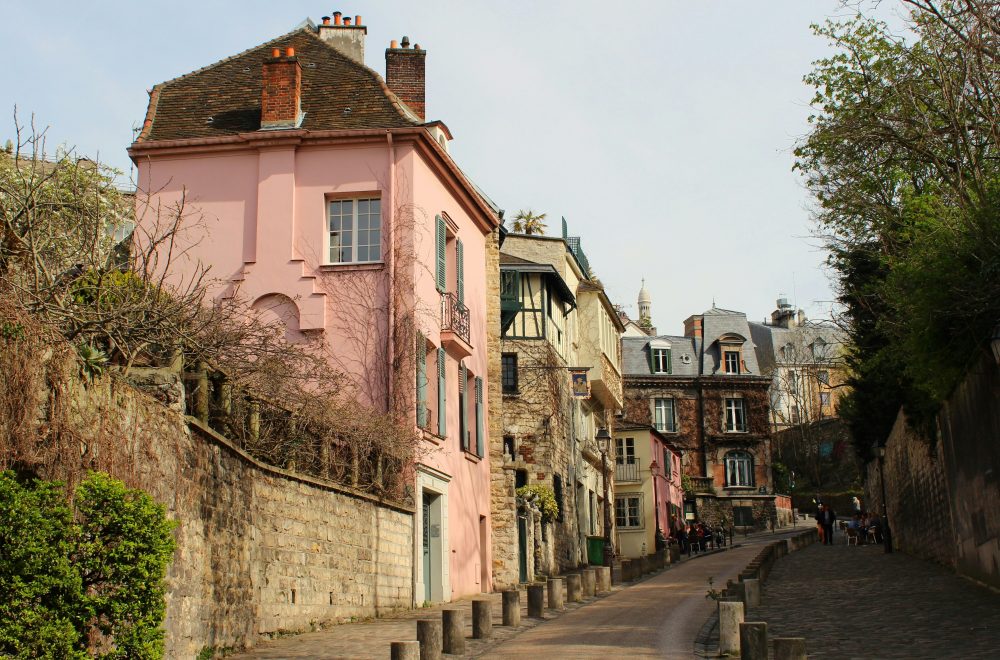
x: 645, y: 302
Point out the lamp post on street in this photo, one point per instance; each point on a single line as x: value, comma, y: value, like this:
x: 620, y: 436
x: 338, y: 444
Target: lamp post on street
x: 604, y: 444
x: 886, y: 534
x: 658, y: 540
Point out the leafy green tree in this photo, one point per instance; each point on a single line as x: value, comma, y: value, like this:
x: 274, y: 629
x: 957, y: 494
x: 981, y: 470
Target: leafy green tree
x: 124, y: 546
x: 904, y: 161
x: 83, y: 583
x: 37, y: 579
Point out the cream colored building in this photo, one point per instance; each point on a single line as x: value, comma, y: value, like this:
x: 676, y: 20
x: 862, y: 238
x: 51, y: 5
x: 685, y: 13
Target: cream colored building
x: 648, y: 495
x: 556, y: 321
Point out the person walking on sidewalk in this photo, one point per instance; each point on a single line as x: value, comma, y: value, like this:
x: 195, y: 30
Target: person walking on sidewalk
x: 826, y: 518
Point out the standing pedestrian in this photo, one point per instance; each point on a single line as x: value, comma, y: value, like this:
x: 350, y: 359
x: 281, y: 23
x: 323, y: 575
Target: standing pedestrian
x: 826, y: 519
x: 856, y: 503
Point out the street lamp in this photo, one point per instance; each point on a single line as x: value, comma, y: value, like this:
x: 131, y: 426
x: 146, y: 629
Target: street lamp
x: 604, y: 444
x: 886, y: 534
x: 658, y: 540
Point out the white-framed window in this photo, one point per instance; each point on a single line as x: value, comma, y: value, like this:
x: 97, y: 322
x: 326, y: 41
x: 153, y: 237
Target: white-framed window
x: 624, y: 451
x: 823, y: 376
x: 824, y: 399
x: 732, y: 361
x: 628, y: 511
x: 661, y: 360
x: 354, y: 230
x: 793, y: 382
x: 736, y: 415
x: 664, y: 415
x: 739, y: 469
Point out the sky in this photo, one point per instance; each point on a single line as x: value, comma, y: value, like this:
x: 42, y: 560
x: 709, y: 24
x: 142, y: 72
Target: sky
x: 662, y: 131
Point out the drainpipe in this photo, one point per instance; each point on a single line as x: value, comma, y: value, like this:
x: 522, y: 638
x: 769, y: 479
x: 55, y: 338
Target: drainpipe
x: 391, y: 237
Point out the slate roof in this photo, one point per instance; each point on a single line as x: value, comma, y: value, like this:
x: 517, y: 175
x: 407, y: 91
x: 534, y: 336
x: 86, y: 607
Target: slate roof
x: 770, y: 341
x: 225, y: 98
x: 635, y: 355
x: 718, y: 322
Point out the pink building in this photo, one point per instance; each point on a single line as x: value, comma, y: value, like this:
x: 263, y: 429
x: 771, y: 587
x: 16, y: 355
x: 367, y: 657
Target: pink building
x: 326, y: 198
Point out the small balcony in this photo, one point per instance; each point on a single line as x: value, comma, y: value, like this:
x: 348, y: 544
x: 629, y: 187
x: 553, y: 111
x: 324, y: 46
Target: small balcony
x: 455, y: 330
x: 625, y: 472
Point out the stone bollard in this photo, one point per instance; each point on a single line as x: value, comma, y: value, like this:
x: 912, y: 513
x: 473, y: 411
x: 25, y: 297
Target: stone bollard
x: 536, y: 600
x: 753, y: 641
x: 482, y: 618
x: 429, y: 636
x: 739, y: 590
x: 730, y: 618
x: 574, y: 588
x: 512, y: 608
x: 752, y: 588
x: 603, y: 579
x: 404, y: 650
x: 453, y: 638
x: 555, y: 593
x: 789, y: 648
x: 589, y: 583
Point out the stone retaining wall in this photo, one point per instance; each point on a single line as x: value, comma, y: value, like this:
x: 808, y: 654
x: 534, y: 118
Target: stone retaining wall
x: 259, y: 550
x: 943, y: 490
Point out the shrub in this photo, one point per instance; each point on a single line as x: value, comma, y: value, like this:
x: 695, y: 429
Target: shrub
x: 83, y: 582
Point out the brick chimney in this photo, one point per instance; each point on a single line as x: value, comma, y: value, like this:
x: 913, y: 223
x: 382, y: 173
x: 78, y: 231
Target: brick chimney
x: 404, y: 73
x: 693, y: 326
x: 281, y: 101
x: 341, y: 34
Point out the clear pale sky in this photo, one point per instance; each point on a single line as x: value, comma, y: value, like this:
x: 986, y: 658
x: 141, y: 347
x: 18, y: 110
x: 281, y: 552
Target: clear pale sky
x: 662, y: 130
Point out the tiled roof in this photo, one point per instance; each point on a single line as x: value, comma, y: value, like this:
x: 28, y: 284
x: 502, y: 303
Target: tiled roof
x: 225, y: 98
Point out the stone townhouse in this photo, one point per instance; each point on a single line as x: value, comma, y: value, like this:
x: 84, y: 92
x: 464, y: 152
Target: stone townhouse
x: 558, y: 327
x: 330, y: 201
x: 704, y: 391
x: 805, y: 360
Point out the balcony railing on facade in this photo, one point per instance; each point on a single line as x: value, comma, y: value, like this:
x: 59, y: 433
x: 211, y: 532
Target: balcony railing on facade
x: 625, y: 472
x: 455, y: 326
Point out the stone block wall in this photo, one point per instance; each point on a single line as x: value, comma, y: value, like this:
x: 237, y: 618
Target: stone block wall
x: 942, y: 491
x: 259, y: 550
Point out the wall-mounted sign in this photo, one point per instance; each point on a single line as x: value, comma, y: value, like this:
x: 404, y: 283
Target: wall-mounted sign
x: 580, y: 386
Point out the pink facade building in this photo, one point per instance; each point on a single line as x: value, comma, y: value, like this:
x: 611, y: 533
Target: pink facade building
x: 325, y: 197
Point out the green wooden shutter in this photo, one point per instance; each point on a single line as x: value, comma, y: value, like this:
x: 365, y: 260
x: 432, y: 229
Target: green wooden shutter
x: 670, y: 362
x: 442, y: 264
x: 463, y: 416
x: 480, y: 434
x: 460, y: 269
x: 421, y: 350
x: 442, y: 399
x: 652, y: 359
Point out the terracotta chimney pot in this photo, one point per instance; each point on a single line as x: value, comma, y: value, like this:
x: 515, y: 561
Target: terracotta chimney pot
x: 289, y: 52
x: 275, y: 52
x: 326, y: 20
x: 347, y: 20
x: 357, y: 20
x: 337, y: 20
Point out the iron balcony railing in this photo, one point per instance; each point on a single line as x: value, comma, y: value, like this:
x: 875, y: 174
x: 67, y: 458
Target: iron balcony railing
x: 455, y: 316
x: 626, y: 472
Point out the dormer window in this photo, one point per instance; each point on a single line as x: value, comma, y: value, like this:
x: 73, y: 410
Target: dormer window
x: 659, y: 357
x: 731, y: 354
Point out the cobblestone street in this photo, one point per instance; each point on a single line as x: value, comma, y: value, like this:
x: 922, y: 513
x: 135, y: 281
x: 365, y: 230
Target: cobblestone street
x: 857, y: 602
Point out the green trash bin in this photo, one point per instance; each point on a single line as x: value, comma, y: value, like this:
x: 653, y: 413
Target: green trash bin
x: 595, y: 550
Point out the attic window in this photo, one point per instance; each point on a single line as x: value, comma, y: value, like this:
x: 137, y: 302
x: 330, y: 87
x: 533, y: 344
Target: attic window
x: 659, y: 357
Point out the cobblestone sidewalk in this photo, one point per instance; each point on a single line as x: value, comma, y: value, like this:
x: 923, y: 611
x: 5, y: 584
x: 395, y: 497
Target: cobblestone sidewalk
x: 857, y: 602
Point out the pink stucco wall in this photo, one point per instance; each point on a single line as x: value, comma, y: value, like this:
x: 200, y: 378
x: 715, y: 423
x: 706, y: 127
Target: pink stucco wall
x: 257, y: 216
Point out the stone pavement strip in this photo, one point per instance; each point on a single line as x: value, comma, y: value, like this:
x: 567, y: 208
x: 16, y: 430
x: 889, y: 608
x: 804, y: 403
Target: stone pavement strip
x: 857, y: 602
x: 676, y: 594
